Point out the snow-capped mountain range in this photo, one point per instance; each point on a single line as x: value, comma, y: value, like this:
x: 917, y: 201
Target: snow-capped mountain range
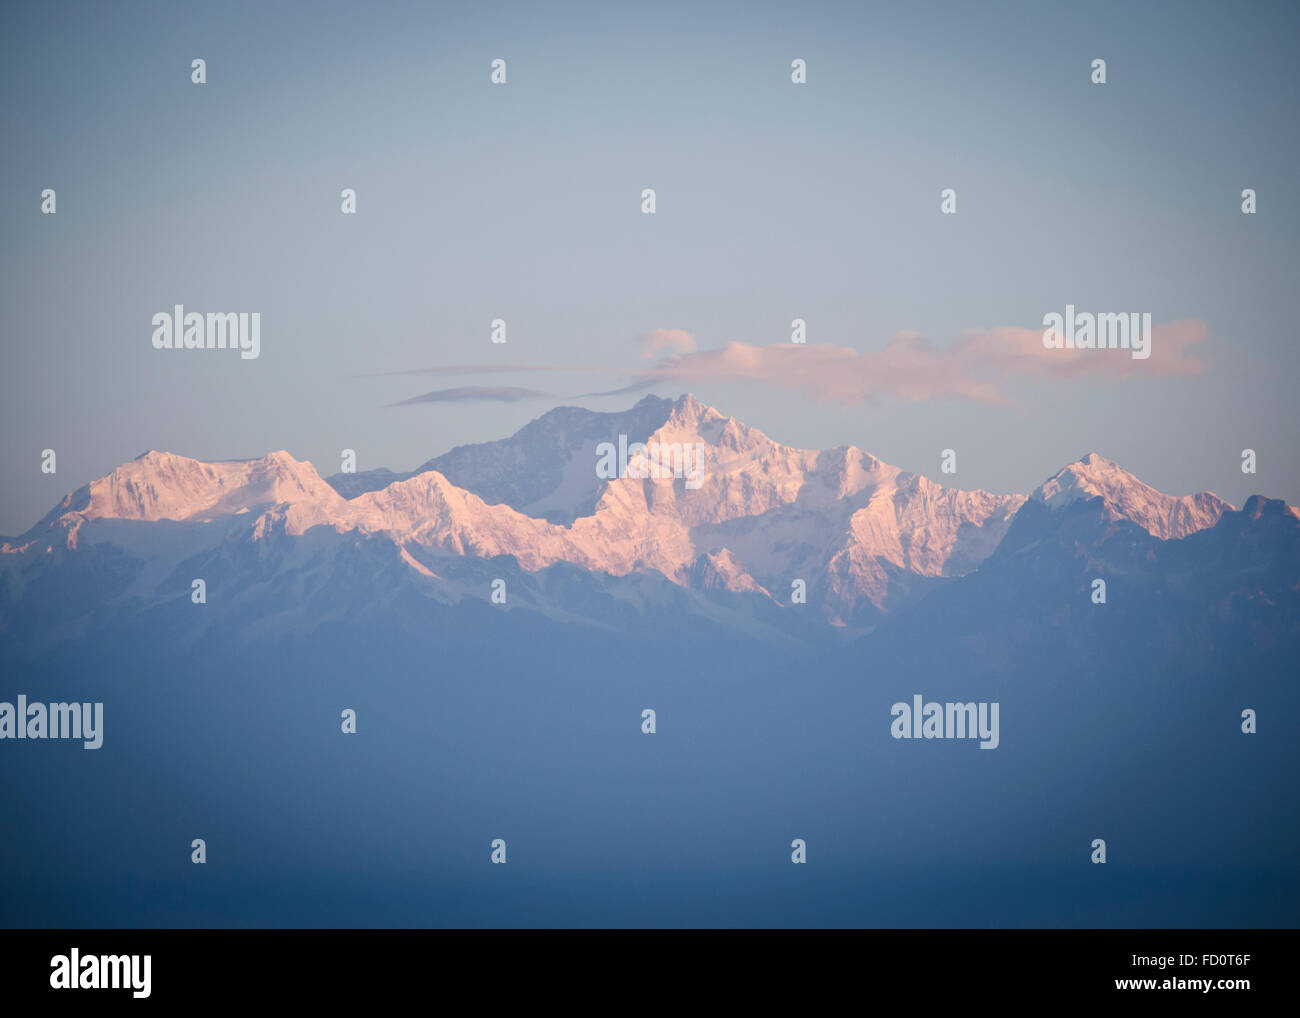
x: 864, y: 536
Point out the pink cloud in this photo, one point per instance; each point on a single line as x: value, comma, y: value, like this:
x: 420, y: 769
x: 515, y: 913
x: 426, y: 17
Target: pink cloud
x: 667, y: 339
x: 978, y: 366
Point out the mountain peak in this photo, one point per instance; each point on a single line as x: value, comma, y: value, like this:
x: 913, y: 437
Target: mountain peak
x: 687, y: 404
x: 1259, y: 506
x: 1126, y: 497
x: 159, y: 485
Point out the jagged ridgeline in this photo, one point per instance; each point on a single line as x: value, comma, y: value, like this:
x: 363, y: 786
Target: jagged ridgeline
x: 840, y: 534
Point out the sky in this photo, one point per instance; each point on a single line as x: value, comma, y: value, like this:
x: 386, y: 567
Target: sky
x: 522, y: 201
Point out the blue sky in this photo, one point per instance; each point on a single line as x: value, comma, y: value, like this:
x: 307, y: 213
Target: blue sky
x: 522, y: 202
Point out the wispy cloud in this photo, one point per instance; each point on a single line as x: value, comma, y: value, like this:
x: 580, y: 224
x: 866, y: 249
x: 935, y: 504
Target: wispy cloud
x: 478, y: 369
x: 477, y: 394
x: 666, y: 339
x: 638, y: 386
x: 981, y: 365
